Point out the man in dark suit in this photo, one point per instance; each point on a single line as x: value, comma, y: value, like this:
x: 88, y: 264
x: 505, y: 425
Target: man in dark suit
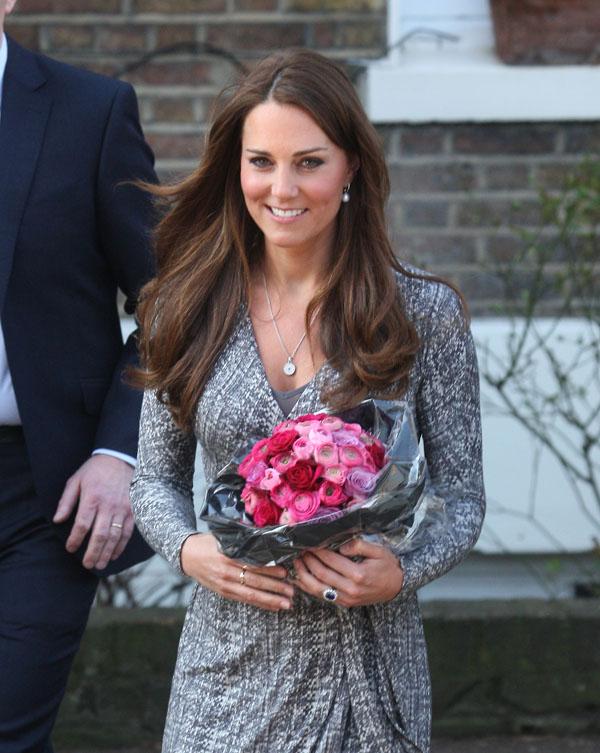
x: 72, y: 230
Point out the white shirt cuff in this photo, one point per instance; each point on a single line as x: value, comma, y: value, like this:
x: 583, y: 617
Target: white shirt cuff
x: 120, y: 455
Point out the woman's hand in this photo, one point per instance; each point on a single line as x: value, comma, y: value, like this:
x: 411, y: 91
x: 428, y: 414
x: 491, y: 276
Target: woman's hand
x: 264, y: 587
x: 378, y: 577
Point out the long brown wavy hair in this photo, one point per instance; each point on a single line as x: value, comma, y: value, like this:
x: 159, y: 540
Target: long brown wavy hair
x: 207, y: 244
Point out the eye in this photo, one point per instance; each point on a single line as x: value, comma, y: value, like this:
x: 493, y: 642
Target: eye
x: 260, y: 162
x: 310, y: 163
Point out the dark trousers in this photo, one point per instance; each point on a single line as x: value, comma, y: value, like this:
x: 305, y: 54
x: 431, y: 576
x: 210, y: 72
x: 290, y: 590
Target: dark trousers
x: 45, y: 598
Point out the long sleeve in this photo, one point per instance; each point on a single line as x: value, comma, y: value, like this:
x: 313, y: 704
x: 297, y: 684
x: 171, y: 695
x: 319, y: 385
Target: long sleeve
x: 161, y: 491
x: 448, y: 416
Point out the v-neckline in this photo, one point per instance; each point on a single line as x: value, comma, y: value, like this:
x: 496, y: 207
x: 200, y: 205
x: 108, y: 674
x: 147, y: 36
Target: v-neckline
x: 308, y: 387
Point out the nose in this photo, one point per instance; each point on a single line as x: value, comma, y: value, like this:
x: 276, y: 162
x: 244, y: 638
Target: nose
x: 284, y: 185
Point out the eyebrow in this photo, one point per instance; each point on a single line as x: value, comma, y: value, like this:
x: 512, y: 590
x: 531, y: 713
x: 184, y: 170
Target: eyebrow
x: 296, y: 154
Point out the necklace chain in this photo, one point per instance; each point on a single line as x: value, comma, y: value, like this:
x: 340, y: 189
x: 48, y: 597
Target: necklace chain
x: 289, y: 368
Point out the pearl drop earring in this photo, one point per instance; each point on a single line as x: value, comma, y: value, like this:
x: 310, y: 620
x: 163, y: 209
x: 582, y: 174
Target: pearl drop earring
x: 346, y: 194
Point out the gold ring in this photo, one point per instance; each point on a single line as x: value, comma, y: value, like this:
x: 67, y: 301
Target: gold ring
x: 243, y: 575
x: 116, y: 525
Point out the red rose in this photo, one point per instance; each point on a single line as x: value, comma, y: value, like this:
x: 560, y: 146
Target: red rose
x: 331, y: 495
x: 377, y: 453
x: 282, y: 441
x: 266, y: 513
x: 312, y: 417
x: 303, y: 475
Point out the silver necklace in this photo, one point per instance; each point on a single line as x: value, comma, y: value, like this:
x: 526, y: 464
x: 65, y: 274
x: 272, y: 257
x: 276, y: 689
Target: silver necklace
x: 289, y: 367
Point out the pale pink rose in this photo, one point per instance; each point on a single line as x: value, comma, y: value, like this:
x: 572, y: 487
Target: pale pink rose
x: 252, y: 498
x: 319, y: 437
x: 336, y: 474
x: 270, y: 480
x: 283, y: 461
x: 303, y: 506
x: 284, y: 426
x: 282, y: 494
x: 326, y: 454
x: 304, y: 427
x: 354, y: 429
x: 331, y: 495
x: 360, y: 482
x: 351, y: 456
x: 256, y: 472
x: 332, y: 423
x: 345, y: 438
x: 303, y: 449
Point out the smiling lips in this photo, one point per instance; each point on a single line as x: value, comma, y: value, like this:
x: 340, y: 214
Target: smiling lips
x: 286, y: 213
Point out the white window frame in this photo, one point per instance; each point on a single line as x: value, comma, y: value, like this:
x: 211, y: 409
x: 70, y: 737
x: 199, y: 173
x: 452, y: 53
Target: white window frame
x: 450, y: 85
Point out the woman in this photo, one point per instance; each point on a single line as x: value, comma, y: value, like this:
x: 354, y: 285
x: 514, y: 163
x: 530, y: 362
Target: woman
x: 278, y: 293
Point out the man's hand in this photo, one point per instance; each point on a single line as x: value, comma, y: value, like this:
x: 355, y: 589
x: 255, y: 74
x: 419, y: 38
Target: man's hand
x: 101, y: 487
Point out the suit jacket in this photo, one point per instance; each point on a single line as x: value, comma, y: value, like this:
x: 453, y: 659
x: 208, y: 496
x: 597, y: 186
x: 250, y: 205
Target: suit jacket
x: 72, y: 231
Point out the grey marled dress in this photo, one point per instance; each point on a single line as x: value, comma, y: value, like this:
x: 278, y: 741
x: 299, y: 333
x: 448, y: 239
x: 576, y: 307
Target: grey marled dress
x: 316, y: 678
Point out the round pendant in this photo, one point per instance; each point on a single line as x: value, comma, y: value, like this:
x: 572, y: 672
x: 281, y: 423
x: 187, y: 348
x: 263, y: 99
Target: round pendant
x: 289, y: 369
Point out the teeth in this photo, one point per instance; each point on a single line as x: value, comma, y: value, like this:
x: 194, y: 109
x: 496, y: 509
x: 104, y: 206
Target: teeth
x: 286, y: 212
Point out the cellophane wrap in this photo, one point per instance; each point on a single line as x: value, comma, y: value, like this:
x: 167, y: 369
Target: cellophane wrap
x: 399, y: 513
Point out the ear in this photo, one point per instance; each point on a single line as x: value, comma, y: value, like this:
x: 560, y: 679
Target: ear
x: 352, y: 168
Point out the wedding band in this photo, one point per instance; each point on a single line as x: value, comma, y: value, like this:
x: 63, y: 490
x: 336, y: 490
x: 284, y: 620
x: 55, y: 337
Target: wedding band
x: 330, y: 594
x: 243, y: 575
x: 116, y: 525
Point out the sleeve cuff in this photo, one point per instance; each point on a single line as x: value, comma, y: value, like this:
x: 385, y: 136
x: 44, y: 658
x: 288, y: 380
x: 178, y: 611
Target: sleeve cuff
x: 114, y: 454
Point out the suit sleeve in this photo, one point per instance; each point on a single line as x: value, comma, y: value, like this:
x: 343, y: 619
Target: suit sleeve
x: 125, y: 218
x: 448, y: 417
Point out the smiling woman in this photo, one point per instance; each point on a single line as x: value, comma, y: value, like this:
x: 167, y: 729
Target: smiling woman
x: 277, y: 283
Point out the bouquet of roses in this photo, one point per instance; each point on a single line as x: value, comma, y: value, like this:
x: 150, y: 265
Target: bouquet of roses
x: 308, y: 467
x: 320, y: 480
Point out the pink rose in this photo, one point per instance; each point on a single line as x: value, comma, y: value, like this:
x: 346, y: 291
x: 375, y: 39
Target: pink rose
x: 285, y: 426
x: 312, y: 417
x: 303, y: 506
x: 282, y: 494
x: 251, y: 498
x: 336, y: 474
x: 326, y: 454
x: 351, y: 456
x: 246, y: 465
x: 360, y: 482
x: 270, y: 480
x: 303, y: 449
x: 304, y: 427
x: 332, y: 423
x: 266, y: 513
x: 283, y: 461
x: 331, y: 495
x: 260, y: 451
x: 282, y: 441
x: 319, y: 436
x: 256, y: 472
x: 354, y: 429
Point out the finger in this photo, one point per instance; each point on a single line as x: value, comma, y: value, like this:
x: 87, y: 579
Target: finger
x: 273, y: 571
x: 114, y: 536
x: 68, y: 500
x: 128, y: 526
x: 307, y: 581
x: 264, y: 583
x: 336, y: 562
x: 256, y: 597
x: 326, y: 576
x: 360, y: 547
x: 100, y: 536
x: 84, y: 520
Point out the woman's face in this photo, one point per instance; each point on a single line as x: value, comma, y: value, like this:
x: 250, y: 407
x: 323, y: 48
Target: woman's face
x: 292, y: 178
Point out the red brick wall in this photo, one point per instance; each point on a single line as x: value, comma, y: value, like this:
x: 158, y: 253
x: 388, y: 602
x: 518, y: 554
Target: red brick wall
x: 457, y: 189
